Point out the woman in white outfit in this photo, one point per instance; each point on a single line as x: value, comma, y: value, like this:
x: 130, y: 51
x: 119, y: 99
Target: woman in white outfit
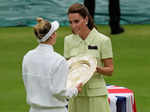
x: 45, y: 72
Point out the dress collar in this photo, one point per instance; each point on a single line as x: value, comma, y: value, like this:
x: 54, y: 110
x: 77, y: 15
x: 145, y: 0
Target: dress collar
x: 89, y: 37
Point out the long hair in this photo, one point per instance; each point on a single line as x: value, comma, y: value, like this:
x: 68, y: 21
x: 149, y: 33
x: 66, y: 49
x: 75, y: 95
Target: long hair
x: 83, y: 11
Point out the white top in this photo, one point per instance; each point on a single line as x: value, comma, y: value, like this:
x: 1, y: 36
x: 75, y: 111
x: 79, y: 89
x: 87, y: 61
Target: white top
x: 45, y: 75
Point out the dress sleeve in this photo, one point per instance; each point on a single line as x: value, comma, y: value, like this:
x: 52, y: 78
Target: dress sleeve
x: 106, y: 48
x: 66, y: 48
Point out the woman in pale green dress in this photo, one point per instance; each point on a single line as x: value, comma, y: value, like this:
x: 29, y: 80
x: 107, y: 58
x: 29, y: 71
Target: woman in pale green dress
x: 86, y: 40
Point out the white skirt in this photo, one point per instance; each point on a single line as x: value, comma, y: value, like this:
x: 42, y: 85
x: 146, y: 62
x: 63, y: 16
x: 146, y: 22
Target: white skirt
x: 59, y: 109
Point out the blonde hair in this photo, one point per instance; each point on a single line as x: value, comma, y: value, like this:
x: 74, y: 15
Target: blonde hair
x: 41, y: 28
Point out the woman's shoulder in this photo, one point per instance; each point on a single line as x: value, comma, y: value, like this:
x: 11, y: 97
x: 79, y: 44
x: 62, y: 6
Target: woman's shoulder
x: 30, y: 53
x: 58, y: 57
x: 58, y: 61
x: 69, y: 37
x: 101, y: 36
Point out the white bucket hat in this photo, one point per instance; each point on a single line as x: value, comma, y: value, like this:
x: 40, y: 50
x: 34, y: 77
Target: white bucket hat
x: 81, y: 70
x: 54, y: 27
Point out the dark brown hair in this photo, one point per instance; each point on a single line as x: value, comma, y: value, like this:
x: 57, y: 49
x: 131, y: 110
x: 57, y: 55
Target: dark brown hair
x: 83, y: 11
x: 42, y: 28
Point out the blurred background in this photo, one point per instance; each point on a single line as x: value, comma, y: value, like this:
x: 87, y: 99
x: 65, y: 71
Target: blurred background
x: 131, y: 48
x: 24, y: 12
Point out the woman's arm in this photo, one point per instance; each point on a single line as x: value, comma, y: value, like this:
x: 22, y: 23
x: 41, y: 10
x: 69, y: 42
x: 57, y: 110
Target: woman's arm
x: 59, y: 81
x: 108, y: 67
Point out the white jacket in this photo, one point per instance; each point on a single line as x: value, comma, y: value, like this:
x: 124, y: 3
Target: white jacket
x: 45, y: 74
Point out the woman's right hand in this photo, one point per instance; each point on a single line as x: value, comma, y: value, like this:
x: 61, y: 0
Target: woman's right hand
x: 79, y: 87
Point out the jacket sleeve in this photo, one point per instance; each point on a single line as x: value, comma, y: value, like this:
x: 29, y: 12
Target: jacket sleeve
x: 59, y: 80
x: 106, y: 48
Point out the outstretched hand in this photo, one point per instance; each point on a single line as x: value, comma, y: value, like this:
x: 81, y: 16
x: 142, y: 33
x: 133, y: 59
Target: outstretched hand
x: 79, y: 87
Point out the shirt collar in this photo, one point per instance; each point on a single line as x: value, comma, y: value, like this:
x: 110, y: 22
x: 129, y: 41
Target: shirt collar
x: 46, y: 46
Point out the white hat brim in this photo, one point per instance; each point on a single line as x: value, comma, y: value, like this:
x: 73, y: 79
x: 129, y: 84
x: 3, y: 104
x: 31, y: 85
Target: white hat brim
x: 81, y: 69
x: 55, y: 25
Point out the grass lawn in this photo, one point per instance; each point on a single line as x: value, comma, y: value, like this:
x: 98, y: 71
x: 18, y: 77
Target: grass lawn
x: 132, y: 64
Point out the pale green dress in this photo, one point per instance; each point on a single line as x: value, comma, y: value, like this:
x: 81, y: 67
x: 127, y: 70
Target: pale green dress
x: 93, y: 97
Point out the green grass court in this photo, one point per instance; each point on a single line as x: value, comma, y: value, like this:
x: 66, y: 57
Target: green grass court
x: 131, y: 59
